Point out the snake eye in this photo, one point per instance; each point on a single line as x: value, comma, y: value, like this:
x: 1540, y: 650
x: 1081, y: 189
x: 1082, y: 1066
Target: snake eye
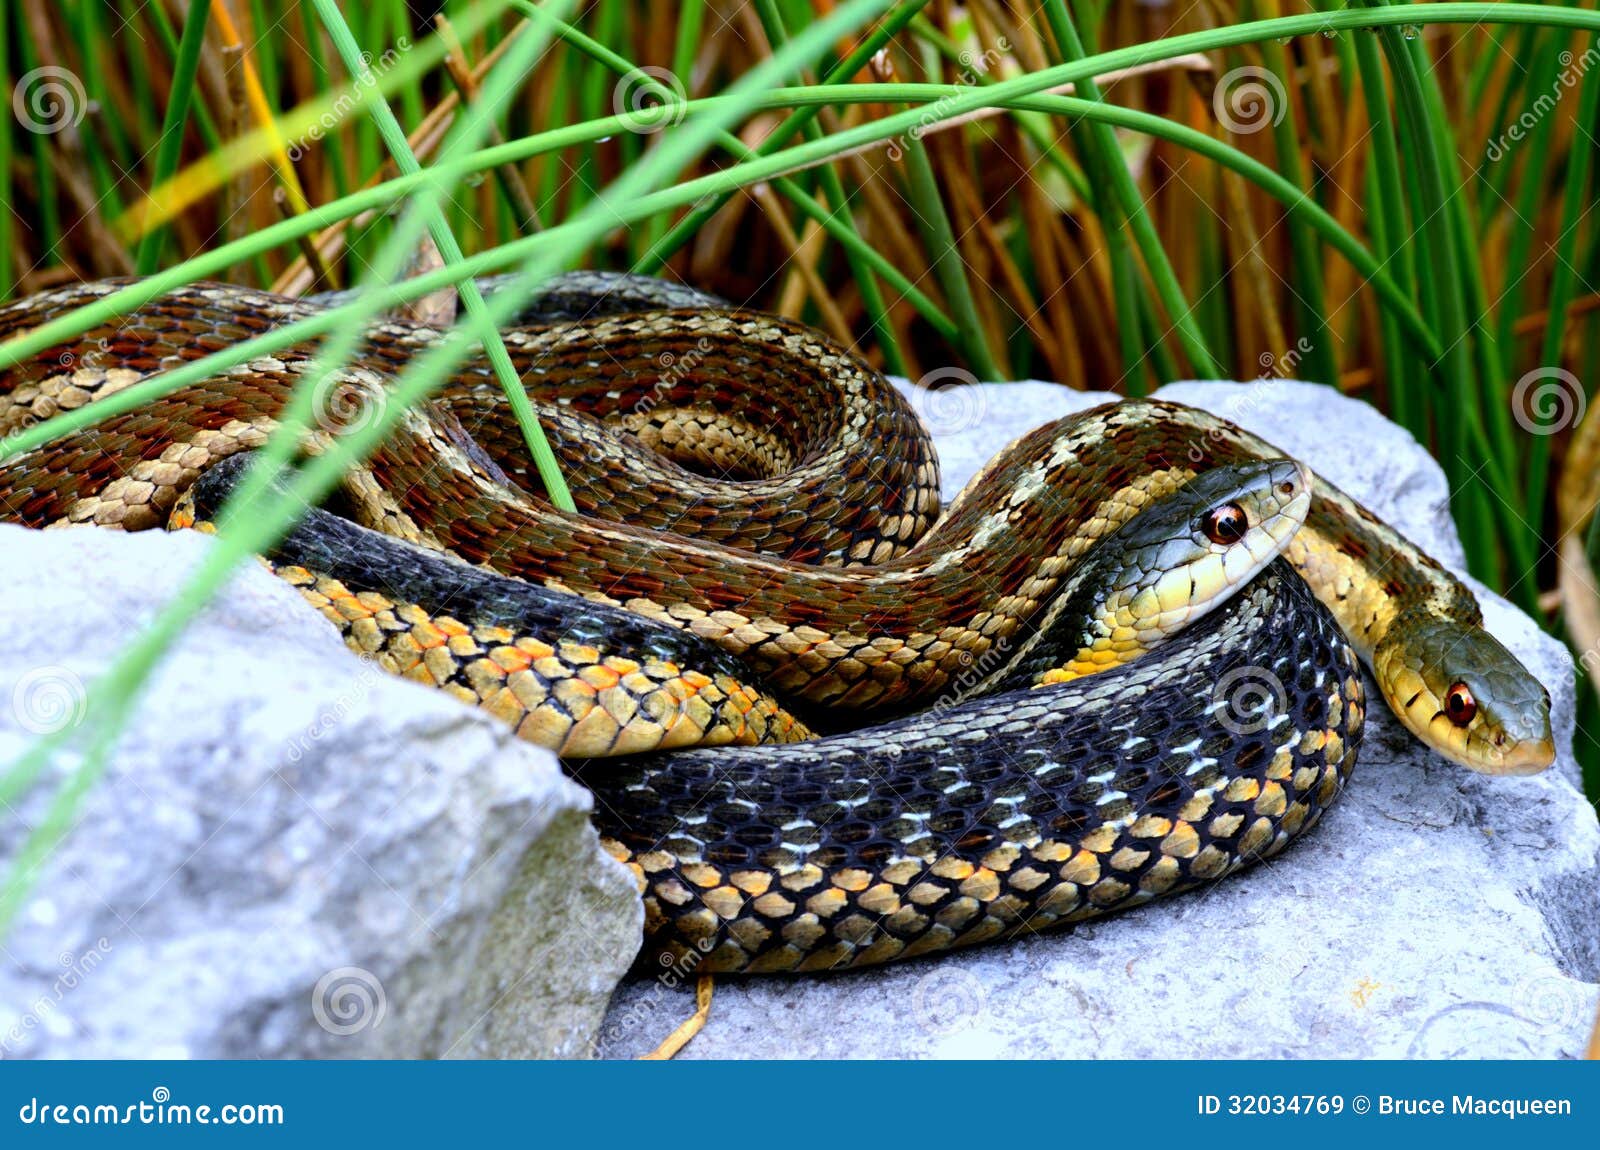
x: 1459, y: 705
x: 1227, y: 524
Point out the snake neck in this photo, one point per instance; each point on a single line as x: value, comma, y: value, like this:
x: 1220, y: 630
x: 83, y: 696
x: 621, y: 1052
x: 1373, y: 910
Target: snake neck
x: 1370, y: 576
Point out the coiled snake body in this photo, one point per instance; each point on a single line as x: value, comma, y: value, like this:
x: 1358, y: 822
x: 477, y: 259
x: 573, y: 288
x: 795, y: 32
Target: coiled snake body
x: 1066, y: 794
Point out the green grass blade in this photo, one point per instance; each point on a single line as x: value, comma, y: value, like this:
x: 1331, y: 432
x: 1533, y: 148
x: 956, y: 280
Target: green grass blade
x: 178, y: 100
x: 450, y: 252
x: 263, y: 521
x: 791, y: 126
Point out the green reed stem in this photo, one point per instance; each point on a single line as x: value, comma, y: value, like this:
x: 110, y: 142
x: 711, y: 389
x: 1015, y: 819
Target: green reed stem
x: 1576, y: 204
x: 933, y: 222
x: 861, y: 271
x: 179, y: 98
x: 1307, y: 278
x: 242, y: 534
x: 1525, y: 211
x: 1103, y: 156
x: 1390, y: 227
x: 836, y: 223
x: 839, y: 75
x: 143, y: 291
x: 688, y: 192
x: 505, y: 372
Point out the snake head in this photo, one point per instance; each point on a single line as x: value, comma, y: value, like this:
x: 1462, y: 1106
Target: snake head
x: 1188, y: 551
x: 1219, y: 529
x: 1247, y: 513
x: 1181, y: 555
x: 1459, y: 690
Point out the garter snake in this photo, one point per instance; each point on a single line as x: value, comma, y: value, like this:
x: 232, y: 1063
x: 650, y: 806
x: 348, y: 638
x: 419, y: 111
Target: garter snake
x: 775, y: 560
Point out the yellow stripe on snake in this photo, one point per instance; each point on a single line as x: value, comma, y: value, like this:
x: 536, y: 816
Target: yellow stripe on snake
x: 1092, y: 680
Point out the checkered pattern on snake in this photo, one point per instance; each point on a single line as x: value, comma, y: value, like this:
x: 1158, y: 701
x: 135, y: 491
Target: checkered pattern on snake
x: 814, y: 556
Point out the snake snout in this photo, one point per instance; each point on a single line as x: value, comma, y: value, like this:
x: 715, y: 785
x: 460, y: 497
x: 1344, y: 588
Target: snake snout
x: 1285, y: 497
x: 1459, y: 690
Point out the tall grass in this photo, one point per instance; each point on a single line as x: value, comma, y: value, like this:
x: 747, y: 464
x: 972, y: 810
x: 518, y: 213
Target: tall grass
x: 1392, y: 200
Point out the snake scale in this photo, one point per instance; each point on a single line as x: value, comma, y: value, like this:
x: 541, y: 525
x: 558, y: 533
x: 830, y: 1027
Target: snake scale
x: 759, y: 558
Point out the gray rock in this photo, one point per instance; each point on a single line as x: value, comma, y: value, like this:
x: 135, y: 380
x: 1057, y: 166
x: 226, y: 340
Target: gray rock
x: 1433, y: 913
x: 291, y: 853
